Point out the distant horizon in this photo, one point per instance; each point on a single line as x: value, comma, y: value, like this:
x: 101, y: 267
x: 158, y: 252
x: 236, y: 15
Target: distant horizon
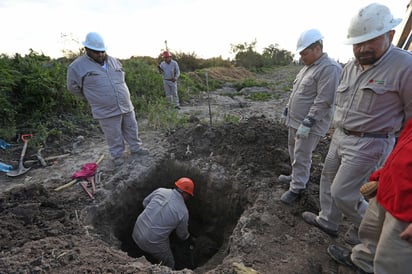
x: 206, y: 28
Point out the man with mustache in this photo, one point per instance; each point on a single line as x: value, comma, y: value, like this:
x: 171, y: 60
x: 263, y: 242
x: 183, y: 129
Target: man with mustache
x: 373, y: 101
x: 100, y: 79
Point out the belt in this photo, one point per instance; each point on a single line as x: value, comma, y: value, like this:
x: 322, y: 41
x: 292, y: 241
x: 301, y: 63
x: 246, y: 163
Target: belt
x: 365, y: 134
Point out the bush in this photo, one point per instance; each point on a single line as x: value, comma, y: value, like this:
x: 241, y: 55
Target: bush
x: 34, y: 97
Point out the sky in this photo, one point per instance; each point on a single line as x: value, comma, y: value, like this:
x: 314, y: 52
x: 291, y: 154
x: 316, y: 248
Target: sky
x: 207, y: 28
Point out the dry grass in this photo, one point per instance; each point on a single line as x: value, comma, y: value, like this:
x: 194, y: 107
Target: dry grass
x: 229, y: 73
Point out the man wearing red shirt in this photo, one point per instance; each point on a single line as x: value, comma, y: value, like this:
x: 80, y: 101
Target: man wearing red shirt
x: 386, y: 229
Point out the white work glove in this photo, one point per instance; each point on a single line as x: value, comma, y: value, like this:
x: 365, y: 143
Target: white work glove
x: 303, y: 132
x: 304, y: 128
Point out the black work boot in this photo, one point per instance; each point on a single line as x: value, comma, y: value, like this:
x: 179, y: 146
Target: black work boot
x: 289, y: 197
x: 311, y: 218
x: 342, y: 256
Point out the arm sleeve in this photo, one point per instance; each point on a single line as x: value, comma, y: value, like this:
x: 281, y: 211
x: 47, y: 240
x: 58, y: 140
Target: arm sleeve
x: 375, y: 175
x: 147, y: 200
x: 182, y: 228
x: 177, y: 71
x: 405, y: 93
x: 326, y: 88
x: 74, y: 82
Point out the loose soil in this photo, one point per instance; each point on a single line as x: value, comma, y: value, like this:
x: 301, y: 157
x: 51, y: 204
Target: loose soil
x: 239, y: 222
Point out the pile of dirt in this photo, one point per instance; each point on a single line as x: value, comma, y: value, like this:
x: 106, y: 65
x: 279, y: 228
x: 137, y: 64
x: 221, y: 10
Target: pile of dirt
x: 240, y: 224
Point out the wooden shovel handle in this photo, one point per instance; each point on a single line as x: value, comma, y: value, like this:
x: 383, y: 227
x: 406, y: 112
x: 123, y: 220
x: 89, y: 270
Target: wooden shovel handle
x: 72, y: 182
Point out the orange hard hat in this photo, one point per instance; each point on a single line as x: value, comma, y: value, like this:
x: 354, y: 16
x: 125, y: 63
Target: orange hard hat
x: 186, y: 185
x: 166, y: 54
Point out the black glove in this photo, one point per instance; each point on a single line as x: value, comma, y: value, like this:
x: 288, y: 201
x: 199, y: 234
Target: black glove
x: 285, y: 112
x: 284, y: 115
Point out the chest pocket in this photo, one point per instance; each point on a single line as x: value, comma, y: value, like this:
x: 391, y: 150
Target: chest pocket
x: 118, y: 75
x: 342, y: 95
x: 372, y: 98
x: 307, y: 84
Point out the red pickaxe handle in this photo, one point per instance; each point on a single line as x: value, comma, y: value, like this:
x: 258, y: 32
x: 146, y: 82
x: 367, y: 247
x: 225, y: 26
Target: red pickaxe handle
x: 91, y: 180
x: 84, y: 186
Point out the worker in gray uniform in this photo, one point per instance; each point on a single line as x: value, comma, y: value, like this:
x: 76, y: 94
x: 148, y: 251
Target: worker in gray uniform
x: 373, y: 101
x: 100, y: 79
x: 170, y: 71
x: 309, y: 111
x: 164, y: 211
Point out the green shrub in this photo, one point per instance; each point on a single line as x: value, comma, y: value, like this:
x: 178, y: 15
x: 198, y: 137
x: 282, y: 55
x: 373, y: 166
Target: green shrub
x: 34, y: 98
x: 259, y: 96
x: 247, y: 83
x: 160, y: 116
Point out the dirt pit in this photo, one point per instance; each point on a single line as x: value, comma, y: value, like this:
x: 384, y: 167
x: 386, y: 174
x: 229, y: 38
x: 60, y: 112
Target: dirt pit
x: 239, y: 222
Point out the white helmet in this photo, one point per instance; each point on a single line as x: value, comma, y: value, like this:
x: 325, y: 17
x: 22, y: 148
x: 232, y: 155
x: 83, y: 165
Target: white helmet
x: 370, y: 22
x: 307, y: 38
x: 94, y: 41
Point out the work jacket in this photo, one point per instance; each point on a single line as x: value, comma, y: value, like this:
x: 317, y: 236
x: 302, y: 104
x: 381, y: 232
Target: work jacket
x: 104, y: 87
x: 313, y: 95
x: 376, y: 100
x: 170, y: 71
x: 165, y: 211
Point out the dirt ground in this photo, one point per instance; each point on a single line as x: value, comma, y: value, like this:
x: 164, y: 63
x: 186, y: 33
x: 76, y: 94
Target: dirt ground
x: 239, y: 222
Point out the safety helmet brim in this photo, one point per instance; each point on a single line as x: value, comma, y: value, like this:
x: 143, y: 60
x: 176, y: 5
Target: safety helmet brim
x: 94, y: 48
x: 372, y: 35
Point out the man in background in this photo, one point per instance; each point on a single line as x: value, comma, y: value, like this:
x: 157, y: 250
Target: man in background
x: 309, y: 110
x: 170, y: 72
x: 100, y: 79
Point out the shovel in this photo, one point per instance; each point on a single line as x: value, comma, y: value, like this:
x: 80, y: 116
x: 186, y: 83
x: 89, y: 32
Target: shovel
x: 21, y: 169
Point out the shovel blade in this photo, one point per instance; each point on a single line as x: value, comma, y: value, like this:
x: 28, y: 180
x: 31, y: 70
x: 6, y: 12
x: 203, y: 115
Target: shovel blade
x: 17, y: 172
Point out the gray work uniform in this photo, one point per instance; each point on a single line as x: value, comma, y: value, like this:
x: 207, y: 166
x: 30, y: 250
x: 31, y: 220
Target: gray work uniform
x: 105, y: 90
x: 376, y: 101
x: 165, y: 211
x: 313, y: 95
x: 381, y: 243
x: 170, y: 72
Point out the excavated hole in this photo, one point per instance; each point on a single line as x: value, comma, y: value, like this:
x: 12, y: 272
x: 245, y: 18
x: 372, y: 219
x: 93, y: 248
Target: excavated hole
x: 214, y: 211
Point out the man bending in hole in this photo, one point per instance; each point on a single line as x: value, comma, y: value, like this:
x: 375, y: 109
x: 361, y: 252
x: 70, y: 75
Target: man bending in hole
x: 164, y: 211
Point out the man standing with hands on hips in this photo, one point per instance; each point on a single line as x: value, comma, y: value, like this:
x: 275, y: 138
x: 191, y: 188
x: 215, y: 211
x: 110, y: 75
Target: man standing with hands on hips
x: 171, y: 73
x: 100, y: 79
x: 309, y: 110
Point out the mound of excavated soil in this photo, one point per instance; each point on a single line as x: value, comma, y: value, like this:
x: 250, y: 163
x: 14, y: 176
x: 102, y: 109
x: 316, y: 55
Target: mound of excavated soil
x: 238, y: 220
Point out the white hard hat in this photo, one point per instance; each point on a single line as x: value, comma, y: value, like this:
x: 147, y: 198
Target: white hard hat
x: 370, y: 22
x: 307, y: 38
x: 94, y: 41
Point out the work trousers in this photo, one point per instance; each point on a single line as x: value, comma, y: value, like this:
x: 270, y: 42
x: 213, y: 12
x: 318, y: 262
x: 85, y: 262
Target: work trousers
x: 348, y: 165
x: 382, y: 250
x: 117, y: 130
x: 300, y: 153
x: 172, y: 96
x: 160, y: 251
